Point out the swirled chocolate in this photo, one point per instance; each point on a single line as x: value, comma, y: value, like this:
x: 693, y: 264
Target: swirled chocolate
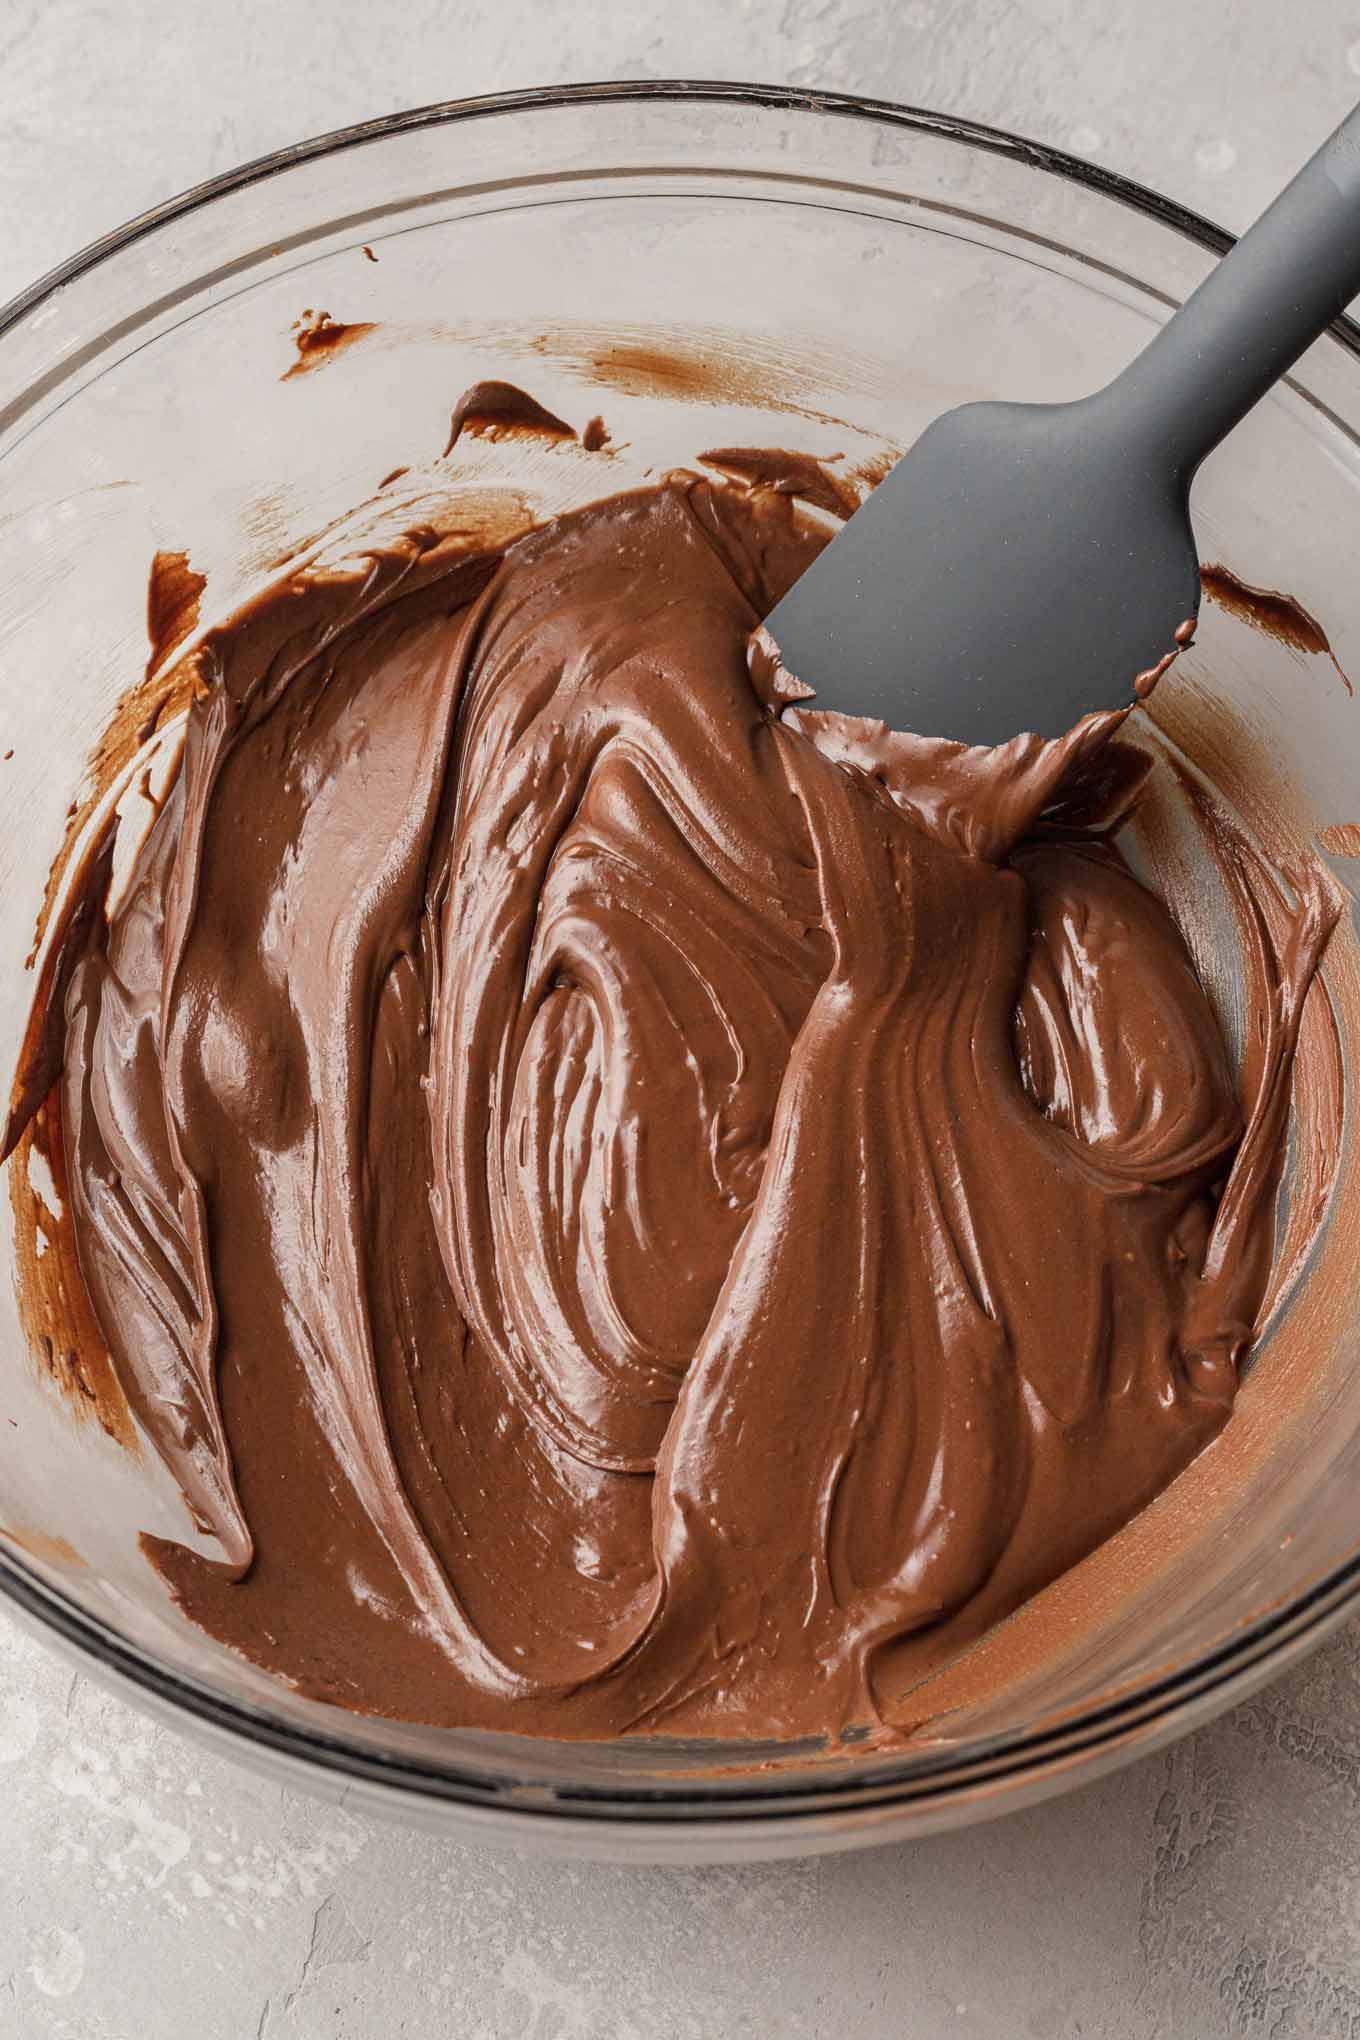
x: 623, y: 1211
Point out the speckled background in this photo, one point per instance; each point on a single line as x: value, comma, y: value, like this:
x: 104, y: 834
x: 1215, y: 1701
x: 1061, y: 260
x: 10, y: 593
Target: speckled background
x: 150, y: 1893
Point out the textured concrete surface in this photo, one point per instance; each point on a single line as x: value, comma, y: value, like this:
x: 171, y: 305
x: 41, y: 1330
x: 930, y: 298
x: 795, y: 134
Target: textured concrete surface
x: 149, y: 1893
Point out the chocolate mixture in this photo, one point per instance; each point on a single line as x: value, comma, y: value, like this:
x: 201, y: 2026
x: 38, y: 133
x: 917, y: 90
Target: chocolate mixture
x: 621, y: 1211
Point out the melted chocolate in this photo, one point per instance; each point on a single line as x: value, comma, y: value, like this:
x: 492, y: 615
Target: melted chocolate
x: 621, y: 1211
x: 639, y: 368
x: 318, y: 338
x: 490, y: 410
x: 876, y: 469
x: 63, y: 1333
x: 1146, y: 681
x: 792, y: 474
x: 1266, y: 609
x: 172, y: 598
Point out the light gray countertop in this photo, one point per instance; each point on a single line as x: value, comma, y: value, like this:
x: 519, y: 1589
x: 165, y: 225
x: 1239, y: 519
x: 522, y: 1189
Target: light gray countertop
x: 149, y: 1892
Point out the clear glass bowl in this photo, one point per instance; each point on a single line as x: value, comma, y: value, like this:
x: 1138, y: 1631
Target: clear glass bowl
x: 830, y: 272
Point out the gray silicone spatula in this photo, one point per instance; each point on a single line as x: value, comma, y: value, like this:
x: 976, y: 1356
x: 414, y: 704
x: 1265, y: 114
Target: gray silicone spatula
x: 1024, y: 564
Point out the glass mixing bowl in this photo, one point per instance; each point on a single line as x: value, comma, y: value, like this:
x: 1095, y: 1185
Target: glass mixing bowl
x: 807, y: 269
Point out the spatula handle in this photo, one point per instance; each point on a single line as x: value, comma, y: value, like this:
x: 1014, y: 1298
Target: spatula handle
x: 1272, y: 295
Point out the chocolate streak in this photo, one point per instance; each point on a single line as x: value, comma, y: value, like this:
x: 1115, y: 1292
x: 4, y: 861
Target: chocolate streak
x: 1266, y: 609
x: 319, y: 338
x: 623, y: 1212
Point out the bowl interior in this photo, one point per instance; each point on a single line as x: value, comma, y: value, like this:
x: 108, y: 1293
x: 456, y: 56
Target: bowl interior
x: 699, y: 271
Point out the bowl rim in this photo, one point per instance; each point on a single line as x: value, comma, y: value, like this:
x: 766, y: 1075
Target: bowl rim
x: 1062, y: 1747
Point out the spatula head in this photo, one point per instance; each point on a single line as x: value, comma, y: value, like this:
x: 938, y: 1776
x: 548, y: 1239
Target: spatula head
x: 1023, y: 565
